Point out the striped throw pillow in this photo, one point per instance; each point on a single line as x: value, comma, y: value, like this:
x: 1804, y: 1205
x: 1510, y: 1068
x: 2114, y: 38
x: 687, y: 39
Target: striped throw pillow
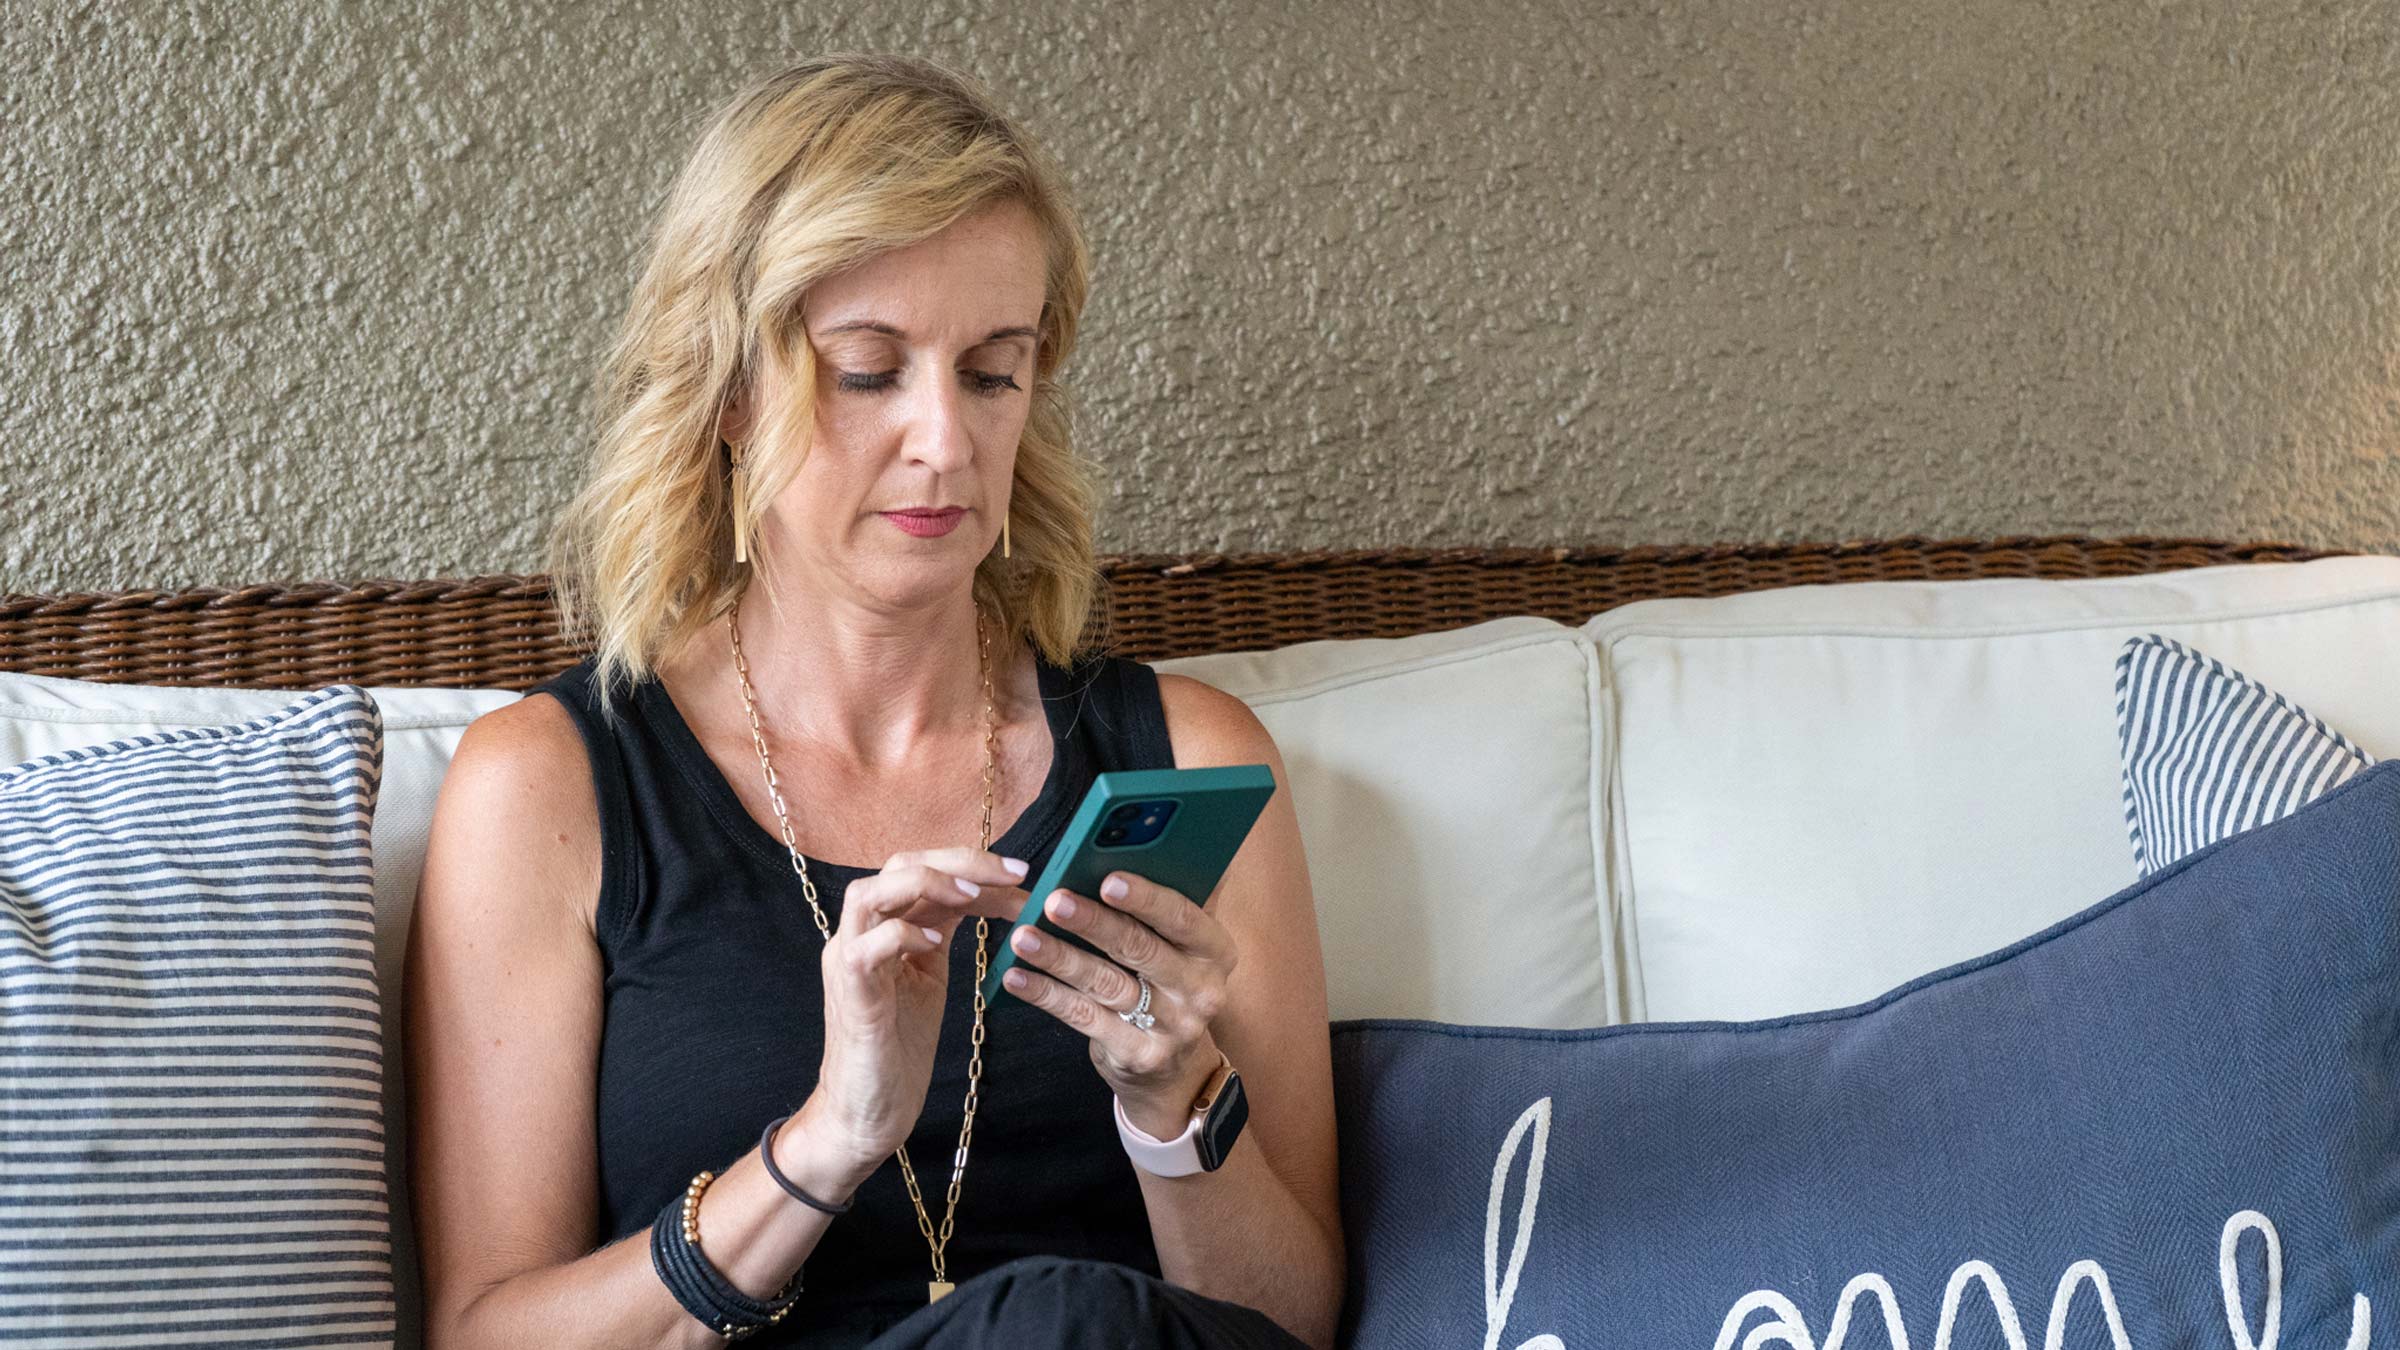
x: 2208, y: 752
x: 191, y: 1147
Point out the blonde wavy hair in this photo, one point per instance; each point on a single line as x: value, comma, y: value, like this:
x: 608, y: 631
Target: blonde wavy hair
x: 801, y: 174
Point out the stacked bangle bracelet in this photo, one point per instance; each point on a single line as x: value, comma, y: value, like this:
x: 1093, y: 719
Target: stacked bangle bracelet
x: 700, y: 1287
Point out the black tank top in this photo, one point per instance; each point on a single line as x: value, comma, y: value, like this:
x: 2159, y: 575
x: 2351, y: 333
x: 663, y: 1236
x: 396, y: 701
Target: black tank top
x: 714, y: 1013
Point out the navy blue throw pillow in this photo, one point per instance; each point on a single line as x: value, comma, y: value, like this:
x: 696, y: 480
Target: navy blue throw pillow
x: 2172, y: 1120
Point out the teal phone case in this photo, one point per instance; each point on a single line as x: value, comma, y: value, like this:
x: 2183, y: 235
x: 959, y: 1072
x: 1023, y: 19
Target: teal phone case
x: 1214, y: 810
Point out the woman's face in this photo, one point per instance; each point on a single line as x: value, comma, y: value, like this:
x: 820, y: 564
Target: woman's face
x: 924, y: 377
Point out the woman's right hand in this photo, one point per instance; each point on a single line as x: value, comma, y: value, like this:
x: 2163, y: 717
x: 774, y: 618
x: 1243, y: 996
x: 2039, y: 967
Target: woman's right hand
x: 887, y: 976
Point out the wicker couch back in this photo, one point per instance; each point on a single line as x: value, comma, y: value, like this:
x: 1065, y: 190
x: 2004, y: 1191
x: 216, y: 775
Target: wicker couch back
x: 499, y: 631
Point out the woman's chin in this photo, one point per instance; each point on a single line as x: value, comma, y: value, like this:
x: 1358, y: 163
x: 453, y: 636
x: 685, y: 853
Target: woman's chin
x: 918, y: 576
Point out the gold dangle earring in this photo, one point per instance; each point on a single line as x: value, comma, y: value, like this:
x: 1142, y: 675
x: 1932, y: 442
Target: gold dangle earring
x: 1004, y: 515
x: 741, y: 507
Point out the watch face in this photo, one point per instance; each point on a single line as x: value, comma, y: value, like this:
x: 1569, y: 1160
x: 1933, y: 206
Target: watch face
x: 1224, y: 1122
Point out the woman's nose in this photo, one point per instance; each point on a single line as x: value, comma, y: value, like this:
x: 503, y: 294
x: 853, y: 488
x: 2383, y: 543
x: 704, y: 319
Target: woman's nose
x: 938, y: 433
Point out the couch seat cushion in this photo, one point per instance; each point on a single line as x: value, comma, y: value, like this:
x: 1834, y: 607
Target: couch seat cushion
x: 1447, y: 796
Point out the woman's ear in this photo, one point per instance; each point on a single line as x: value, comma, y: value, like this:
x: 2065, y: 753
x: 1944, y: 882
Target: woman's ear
x: 733, y: 424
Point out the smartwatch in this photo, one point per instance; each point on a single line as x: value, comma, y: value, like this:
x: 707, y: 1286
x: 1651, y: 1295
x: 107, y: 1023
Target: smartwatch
x: 1217, y: 1119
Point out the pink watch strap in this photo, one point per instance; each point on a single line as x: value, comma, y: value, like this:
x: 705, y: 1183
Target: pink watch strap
x: 1176, y: 1157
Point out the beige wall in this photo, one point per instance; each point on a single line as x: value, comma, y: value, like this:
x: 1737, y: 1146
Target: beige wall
x: 290, y: 294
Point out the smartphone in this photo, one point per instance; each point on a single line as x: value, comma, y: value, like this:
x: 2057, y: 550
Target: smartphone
x: 1177, y: 827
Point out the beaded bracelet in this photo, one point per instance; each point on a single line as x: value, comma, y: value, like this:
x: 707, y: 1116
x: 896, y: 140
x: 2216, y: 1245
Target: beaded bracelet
x: 766, y: 1150
x: 703, y: 1291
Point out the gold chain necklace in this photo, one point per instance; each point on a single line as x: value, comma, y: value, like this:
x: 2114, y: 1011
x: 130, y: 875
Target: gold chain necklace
x: 940, y: 1284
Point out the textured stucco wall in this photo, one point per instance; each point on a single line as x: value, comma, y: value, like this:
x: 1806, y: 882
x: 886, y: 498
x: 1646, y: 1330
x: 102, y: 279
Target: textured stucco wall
x: 313, y: 292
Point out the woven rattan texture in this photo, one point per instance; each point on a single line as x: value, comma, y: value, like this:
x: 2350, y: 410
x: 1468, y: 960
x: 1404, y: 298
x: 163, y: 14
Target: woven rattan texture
x: 500, y: 631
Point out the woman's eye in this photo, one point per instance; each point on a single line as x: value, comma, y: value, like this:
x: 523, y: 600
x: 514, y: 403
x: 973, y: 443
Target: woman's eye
x: 867, y: 382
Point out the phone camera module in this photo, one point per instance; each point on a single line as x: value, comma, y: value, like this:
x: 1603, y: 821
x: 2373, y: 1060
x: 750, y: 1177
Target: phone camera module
x: 1134, y: 824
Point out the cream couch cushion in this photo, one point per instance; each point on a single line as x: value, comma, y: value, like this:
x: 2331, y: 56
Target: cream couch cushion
x: 1820, y: 792
x: 1447, y: 798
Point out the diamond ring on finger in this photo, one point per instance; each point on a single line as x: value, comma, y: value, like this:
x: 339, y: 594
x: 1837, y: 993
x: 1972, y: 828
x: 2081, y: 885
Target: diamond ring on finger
x: 1141, y: 1015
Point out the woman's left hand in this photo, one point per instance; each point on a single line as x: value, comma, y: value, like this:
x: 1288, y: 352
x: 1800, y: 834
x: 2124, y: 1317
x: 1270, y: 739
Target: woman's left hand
x: 1143, y: 928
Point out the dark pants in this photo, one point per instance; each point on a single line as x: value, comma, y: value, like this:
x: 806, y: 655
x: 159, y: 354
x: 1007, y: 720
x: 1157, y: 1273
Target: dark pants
x: 1053, y: 1303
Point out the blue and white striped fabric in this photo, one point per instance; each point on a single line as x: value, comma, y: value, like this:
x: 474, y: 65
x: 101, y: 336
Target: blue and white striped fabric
x: 191, y: 1141
x: 2209, y: 752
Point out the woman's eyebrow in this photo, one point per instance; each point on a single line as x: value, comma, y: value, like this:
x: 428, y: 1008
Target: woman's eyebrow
x: 877, y: 326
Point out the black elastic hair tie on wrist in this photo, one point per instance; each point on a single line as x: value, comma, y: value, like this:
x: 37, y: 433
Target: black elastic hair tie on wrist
x: 766, y: 1151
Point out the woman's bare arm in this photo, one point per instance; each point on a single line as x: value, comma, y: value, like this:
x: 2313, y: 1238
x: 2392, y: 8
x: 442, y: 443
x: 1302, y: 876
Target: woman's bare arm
x: 503, y: 998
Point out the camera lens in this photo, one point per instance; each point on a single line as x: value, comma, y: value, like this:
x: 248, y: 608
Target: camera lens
x: 1111, y: 835
x: 1125, y: 812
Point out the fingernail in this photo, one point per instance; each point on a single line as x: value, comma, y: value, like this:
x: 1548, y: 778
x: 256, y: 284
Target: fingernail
x: 1028, y: 940
x: 968, y: 886
x: 1014, y: 979
x: 931, y: 934
x: 1062, y: 904
x: 1114, y: 888
x: 1017, y: 867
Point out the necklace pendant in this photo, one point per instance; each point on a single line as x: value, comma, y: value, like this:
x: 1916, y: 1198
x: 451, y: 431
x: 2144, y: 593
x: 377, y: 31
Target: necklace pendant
x: 934, y: 1289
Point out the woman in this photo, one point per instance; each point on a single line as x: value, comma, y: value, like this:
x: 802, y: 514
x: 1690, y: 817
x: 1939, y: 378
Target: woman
x: 634, y: 983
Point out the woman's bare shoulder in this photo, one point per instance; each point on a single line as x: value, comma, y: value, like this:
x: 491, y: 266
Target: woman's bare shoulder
x: 1209, y: 726
x: 518, y: 793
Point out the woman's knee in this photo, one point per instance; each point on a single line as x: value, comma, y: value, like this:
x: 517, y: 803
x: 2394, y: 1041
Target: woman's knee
x: 1041, y: 1267
x: 1048, y: 1292
x: 1066, y: 1303
x: 1087, y: 1278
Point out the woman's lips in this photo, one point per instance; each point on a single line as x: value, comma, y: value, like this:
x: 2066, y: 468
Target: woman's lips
x: 926, y: 524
